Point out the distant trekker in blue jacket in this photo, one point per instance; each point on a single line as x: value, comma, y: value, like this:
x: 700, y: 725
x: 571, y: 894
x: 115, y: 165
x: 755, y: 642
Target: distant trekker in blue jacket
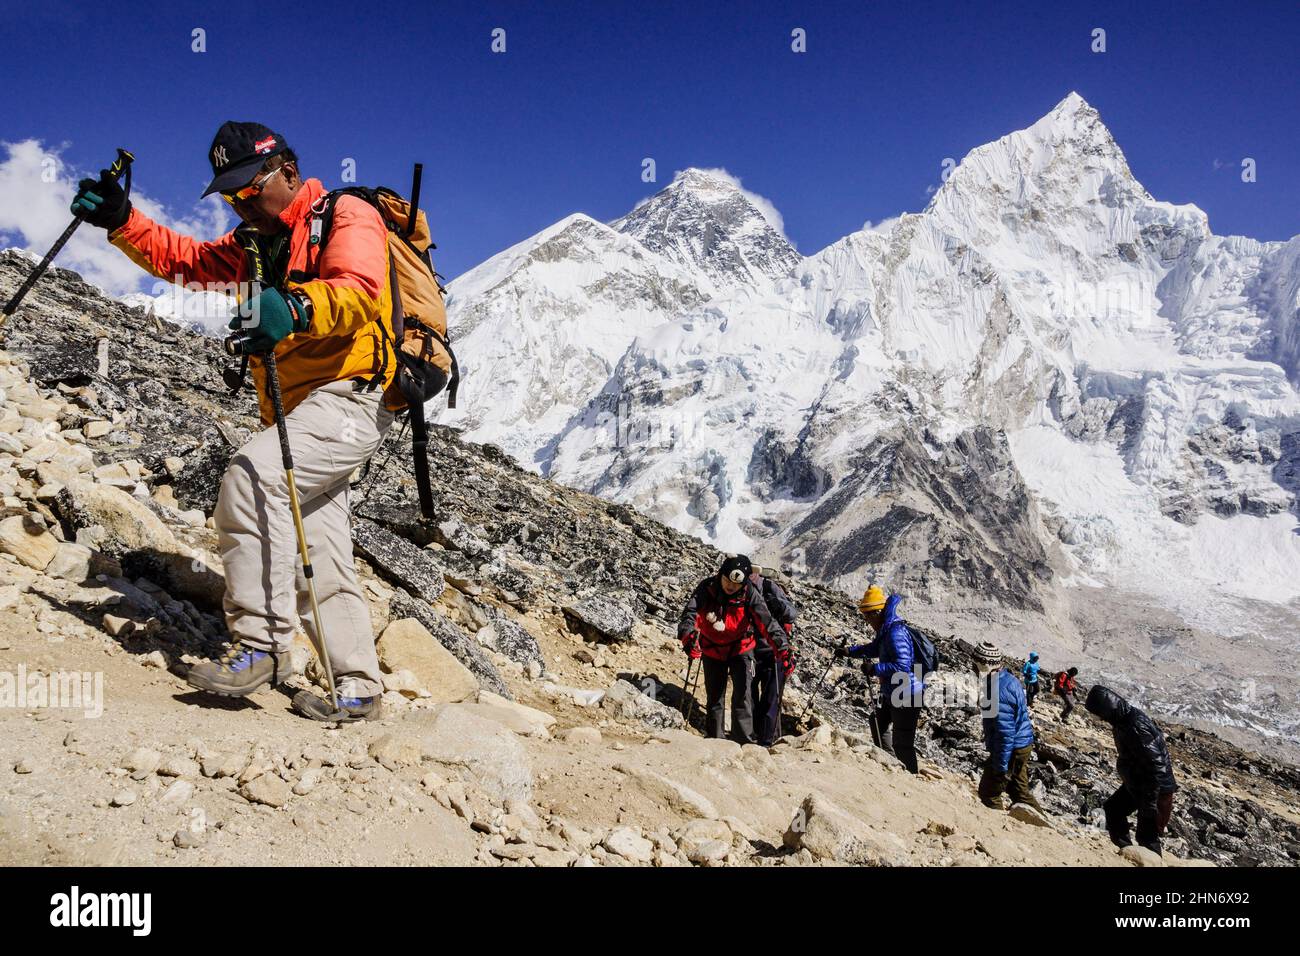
x: 901, y: 689
x: 1030, y: 672
x: 1008, y: 733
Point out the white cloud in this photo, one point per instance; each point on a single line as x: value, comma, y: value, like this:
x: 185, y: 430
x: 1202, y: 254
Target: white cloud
x: 882, y: 226
x: 36, y: 189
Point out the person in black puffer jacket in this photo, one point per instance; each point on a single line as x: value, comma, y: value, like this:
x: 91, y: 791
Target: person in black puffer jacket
x: 1145, y: 771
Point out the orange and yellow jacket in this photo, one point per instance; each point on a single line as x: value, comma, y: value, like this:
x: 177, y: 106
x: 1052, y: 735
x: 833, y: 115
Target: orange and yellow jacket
x: 348, y: 285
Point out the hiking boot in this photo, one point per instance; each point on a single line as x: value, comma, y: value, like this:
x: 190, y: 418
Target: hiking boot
x: 240, y: 671
x: 1120, y: 838
x: 350, y: 708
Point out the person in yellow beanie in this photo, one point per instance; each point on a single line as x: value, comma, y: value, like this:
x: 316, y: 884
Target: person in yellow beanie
x: 901, y: 689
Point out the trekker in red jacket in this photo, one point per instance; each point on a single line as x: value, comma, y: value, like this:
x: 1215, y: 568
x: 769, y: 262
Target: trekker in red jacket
x: 722, y: 623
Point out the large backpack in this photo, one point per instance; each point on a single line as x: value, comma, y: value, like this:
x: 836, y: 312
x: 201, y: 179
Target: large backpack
x: 924, y: 650
x: 418, y: 332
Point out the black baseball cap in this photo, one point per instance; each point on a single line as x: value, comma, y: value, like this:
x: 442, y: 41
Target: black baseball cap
x: 238, y: 152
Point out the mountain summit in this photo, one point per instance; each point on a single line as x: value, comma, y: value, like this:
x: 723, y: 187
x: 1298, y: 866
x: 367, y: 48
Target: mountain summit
x: 703, y: 220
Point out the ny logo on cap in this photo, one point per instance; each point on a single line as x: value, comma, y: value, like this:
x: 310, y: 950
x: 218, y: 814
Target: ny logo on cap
x: 219, y: 156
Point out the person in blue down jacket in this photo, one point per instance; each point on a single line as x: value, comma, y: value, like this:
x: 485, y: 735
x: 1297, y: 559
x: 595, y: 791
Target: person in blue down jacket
x: 901, y: 688
x: 1008, y: 732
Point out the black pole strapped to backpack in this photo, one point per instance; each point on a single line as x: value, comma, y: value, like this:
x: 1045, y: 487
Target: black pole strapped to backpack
x: 415, y: 200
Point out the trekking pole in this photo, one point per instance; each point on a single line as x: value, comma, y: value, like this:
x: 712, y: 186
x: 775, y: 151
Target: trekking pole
x: 690, y: 699
x: 234, y: 346
x: 686, y: 683
x: 813, y: 696
x: 120, y: 165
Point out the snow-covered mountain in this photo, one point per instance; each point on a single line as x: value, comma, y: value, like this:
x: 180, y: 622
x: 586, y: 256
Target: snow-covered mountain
x: 1046, y: 383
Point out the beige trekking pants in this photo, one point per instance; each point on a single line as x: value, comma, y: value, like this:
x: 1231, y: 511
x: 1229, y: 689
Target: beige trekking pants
x: 331, y: 432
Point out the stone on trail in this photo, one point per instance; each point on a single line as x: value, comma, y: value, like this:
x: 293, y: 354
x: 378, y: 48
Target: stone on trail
x: 453, y: 734
x: 704, y: 842
x: 28, y: 542
x: 394, y: 751
x: 600, y: 619
x: 397, y: 560
x: 407, y: 645
x: 127, y: 525
x: 625, y: 842
x: 1027, y: 813
x: 523, y: 720
x: 669, y: 792
x: 141, y: 762
x: 1141, y: 856
x: 267, y: 789
x: 831, y: 834
x: 447, y: 633
x: 510, y: 638
x: 624, y: 702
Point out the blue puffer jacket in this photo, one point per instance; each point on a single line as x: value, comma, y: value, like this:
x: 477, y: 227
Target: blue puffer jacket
x: 893, y: 650
x: 1011, y: 729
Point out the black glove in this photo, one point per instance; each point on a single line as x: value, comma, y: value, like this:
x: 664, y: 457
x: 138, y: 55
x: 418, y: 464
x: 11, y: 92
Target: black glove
x: 102, y: 202
x: 841, y: 651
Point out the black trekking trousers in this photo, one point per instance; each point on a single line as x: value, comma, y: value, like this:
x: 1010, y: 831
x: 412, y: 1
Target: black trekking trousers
x: 766, y: 690
x: 1151, y: 816
x: 740, y: 669
x: 1067, y: 705
x: 902, y: 722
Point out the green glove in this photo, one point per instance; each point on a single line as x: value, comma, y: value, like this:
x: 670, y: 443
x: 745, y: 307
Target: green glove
x: 271, y: 317
x: 102, y: 202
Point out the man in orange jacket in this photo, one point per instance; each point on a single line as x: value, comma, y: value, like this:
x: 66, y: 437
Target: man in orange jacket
x: 325, y: 315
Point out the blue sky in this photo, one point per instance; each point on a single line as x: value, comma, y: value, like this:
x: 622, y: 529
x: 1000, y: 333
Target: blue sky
x: 855, y: 129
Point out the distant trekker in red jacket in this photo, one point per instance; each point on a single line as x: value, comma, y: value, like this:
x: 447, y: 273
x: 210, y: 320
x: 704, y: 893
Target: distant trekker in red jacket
x: 1066, y: 689
x: 722, y: 623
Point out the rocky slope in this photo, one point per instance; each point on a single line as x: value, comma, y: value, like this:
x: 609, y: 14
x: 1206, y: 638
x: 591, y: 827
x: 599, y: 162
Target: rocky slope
x: 533, y: 677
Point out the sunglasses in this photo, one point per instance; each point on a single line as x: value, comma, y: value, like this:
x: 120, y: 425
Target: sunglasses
x: 251, y: 190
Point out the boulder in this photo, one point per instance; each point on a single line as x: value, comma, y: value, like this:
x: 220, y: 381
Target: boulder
x: 463, y: 647
x: 511, y: 639
x: 627, y: 843
x: 397, y: 560
x: 27, y: 541
x: 453, y: 734
x: 1028, y: 813
x: 122, y: 525
x: 407, y: 645
x: 77, y: 563
x: 705, y: 842
x: 526, y: 721
x: 598, y: 618
x: 266, y: 788
x: 624, y: 702
x: 831, y: 834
